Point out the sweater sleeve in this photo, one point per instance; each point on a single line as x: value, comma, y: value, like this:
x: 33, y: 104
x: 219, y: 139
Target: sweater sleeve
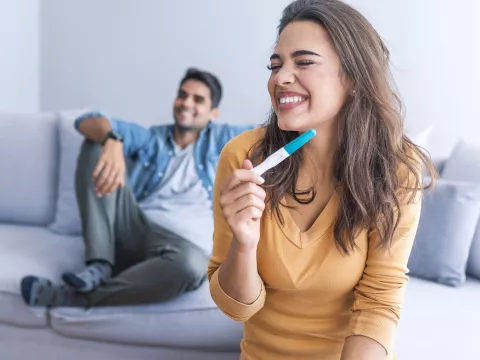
x: 378, y: 296
x: 231, y: 158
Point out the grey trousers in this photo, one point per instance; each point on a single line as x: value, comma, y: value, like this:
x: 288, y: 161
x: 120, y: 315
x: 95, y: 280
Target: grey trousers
x: 150, y: 264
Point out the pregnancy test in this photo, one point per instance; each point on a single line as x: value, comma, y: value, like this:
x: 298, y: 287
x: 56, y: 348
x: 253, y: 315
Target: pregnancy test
x: 278, y: 156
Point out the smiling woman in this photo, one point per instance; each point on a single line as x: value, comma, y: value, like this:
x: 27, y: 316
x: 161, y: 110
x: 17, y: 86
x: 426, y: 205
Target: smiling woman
x: 307, y: 75
x: 313, y: 257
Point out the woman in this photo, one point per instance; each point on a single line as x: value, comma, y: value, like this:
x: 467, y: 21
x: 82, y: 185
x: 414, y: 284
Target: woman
x: 320, y: 274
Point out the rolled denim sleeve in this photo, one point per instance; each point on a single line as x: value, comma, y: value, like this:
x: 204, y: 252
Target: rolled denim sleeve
x: 134, y: 136
x: 90, y: 114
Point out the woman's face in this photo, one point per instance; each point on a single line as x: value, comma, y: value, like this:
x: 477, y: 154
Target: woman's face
x: 306, y: 86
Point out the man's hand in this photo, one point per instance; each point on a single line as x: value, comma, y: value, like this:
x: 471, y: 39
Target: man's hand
x: 109, y: 174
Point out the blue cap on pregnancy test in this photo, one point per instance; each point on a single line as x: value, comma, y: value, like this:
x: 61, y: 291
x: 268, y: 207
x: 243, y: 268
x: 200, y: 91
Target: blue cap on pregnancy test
x: 297, y: 143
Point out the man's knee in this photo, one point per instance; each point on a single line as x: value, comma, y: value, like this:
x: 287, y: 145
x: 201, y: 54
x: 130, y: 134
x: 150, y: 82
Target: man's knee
x: 194, y: 265
x: 89, y: 151
x: 87, y: 160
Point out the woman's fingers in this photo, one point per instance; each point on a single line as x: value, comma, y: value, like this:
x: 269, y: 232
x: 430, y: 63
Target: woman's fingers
x: 249, y: 214
x: 240, y: 176
x: 240, y: 191
x: 246, y: 201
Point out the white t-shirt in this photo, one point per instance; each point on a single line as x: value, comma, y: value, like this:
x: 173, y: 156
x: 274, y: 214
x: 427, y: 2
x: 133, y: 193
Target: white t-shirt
x: 180, y: 202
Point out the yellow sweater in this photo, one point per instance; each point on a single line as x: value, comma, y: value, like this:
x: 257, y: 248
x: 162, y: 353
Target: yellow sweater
x: 313, y: 296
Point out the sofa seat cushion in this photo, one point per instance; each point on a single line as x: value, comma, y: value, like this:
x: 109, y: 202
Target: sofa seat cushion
x: 190, y: 321
x: 26, y: 250
x: 439, y: 322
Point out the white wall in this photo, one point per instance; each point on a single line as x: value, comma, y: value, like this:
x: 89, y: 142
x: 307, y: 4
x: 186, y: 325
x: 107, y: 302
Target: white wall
x: 435, y: 46
x: 127, y: 57
x: 19, y: 55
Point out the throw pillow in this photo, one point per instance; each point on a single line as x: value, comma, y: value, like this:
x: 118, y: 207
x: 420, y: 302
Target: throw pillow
x: 448, y: 220
x: 464, y: 165
x: 422, y: 138
x: 67, y: 217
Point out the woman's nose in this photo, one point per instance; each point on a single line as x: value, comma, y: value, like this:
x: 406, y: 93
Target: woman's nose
x: 284, y: 76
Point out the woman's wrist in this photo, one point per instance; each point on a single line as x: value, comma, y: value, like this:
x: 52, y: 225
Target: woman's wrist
x: 243, y: 249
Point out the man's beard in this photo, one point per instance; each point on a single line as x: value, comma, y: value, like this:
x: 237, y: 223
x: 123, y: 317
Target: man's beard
x: 186, y: 128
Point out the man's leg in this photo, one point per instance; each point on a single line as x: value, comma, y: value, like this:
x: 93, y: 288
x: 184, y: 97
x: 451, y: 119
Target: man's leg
x: 108, y: 222
x: 174, y: 266
x: 115, y: 233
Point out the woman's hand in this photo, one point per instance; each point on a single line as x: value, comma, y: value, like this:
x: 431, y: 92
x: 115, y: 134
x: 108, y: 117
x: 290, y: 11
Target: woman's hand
x: 243, y: 202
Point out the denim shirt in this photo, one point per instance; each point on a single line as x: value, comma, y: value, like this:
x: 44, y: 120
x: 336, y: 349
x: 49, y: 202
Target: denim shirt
x: 149, y: 151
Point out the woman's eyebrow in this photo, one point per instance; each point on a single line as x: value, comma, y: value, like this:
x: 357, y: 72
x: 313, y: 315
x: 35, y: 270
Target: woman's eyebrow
x: 295, y: 54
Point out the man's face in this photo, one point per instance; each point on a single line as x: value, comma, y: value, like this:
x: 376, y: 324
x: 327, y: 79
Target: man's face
x: 192, y: 109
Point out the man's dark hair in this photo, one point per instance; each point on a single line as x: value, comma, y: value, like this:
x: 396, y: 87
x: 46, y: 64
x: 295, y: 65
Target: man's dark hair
x: 210, y: 80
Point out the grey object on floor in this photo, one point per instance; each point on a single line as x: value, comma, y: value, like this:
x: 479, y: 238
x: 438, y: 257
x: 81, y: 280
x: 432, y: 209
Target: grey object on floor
x: 448, y: 221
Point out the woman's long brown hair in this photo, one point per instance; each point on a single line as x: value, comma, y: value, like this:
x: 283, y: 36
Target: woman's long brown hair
x: 372, y: 144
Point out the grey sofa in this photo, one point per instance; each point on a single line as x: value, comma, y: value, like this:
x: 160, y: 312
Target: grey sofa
x: 438, y: 322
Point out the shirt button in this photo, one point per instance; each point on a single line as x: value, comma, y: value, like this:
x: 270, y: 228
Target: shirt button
x: 147, y: 164
x: 209, y: 188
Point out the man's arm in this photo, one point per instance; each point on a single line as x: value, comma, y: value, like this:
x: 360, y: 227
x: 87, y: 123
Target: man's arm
x: 96, y: 125
x: 95, y: 128
x: 109, y: 174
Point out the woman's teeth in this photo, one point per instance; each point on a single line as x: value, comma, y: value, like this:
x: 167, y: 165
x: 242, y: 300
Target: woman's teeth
x: 292, y: 99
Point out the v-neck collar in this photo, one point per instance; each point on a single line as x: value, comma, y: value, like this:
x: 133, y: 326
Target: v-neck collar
x: 321, y: 225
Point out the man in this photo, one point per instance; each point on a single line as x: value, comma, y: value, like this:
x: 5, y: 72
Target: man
x: 147, y: 236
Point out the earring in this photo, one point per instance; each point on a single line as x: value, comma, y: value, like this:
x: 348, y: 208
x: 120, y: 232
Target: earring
x: 354, y: 92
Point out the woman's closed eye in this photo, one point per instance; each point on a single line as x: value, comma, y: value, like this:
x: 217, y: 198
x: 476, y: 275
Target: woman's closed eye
x: 273, y: 67
x: 299, y: 63
x: 305, y: 62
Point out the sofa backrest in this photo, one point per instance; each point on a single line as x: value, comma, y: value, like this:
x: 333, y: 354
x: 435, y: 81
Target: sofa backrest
x: 28, y: 167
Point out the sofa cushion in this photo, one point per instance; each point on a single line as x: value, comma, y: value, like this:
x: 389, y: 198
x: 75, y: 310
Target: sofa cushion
x: 67, y: 217
x: 32, y: 250
x: 448, y: 221
x: 421, y: 138
x: 439, y: 322
x: 190, y: 321
x: 28, y: 162
x: 464, y: 165
x: 25, y: 344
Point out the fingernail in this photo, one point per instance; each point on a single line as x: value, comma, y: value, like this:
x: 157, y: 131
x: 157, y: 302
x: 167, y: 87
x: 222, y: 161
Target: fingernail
x: 261, y: 179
